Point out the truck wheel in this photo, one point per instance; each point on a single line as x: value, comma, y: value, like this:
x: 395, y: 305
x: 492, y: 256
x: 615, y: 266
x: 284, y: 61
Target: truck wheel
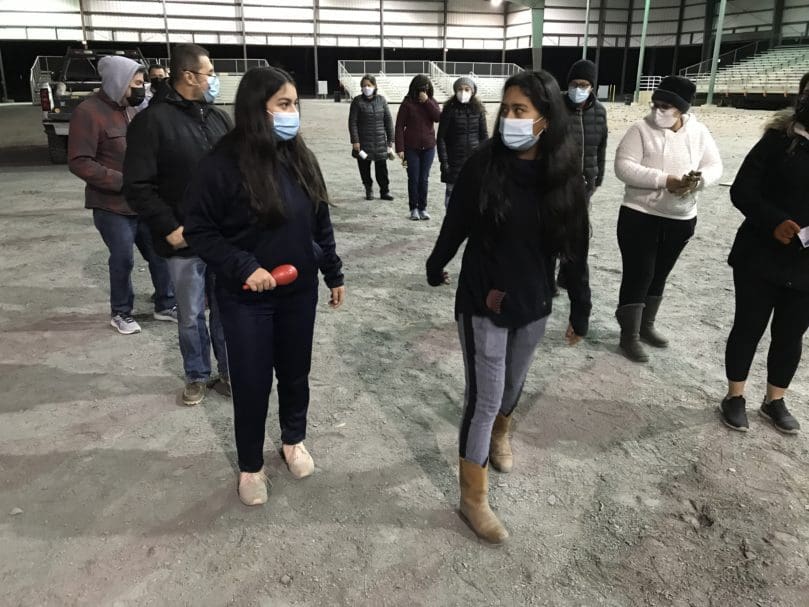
x: 57, y: 148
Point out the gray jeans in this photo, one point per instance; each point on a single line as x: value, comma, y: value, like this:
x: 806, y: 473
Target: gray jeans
x: 496, y: 362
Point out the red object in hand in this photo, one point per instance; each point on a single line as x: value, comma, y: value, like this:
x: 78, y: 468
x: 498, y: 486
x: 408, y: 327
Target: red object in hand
x: 283, y: 275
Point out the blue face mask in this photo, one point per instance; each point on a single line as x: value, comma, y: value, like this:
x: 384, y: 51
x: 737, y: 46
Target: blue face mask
x: 286, y: 124
x: 213, y: 89
x: 518, y: 133
x: 578, y: 95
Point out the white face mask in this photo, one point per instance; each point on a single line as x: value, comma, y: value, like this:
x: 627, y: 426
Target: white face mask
x: 518, y: 133
x: 665, y: 119
x: 464, y: 96
x: 368, y: 91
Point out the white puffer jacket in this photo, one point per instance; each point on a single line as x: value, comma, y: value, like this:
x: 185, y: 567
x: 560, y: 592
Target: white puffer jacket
x: 647, y: 155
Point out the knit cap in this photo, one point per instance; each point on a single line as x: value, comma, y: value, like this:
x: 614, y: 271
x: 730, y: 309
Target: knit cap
x: 465, y: 81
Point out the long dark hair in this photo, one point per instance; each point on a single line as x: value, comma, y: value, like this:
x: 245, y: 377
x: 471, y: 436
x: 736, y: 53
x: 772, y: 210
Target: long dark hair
x: 561, y: 204
x: 261, y: 153
x: 418, y: 83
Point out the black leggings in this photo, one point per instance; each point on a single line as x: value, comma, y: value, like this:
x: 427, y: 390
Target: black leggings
x: 756, y: 301
x: 650, y: 246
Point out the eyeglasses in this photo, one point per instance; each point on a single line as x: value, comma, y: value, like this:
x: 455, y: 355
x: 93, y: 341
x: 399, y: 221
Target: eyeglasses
x: 200, y: 73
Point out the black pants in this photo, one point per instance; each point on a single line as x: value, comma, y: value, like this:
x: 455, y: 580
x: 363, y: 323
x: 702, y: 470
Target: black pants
x: 756, y: 301
x: 381, y: 170
x: 265, y: 332
x: 650, y: 246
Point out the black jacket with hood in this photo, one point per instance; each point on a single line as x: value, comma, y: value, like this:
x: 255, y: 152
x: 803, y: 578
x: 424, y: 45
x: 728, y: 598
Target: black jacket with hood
x: 165, y: 143
x: 771, y: 187
x: 588, y: 128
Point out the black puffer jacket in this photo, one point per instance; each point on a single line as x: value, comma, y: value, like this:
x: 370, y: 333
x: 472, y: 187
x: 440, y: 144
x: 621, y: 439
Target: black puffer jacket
x: 165, y: 142
x: 461, y: 130
x: 770, y: 188
x: 370, y: 124
x: 588, y: 128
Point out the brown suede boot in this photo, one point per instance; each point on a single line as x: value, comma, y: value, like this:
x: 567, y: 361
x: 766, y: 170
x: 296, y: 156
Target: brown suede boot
x: 475, y: 510
x: 500, y: 455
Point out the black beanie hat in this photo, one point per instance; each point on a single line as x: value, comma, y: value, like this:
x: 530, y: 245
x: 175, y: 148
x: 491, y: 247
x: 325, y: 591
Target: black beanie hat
x: 676, y: 91
x: 583, y: 70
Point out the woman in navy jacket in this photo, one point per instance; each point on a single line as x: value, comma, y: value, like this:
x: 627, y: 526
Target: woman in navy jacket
x: 259, y: 201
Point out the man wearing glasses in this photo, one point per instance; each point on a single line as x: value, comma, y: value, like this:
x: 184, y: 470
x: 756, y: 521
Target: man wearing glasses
x: 164, y: 145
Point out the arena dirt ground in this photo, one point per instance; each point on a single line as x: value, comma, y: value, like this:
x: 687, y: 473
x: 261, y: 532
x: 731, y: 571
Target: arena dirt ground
x: 627, y: 490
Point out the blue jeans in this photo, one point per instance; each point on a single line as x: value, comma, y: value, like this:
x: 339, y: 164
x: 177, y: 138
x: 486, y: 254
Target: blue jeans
x: 419, y: 163
x: 120, y: 233
x: 193, y: 282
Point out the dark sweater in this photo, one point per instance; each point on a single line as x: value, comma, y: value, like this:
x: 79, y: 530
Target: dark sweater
x: 222, y: 230
x: 771, y: 187
x: 415, y: 124
x: 518, y: 265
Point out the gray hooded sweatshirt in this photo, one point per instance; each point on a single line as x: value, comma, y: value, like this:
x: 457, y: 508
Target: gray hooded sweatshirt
x: 116, y: 74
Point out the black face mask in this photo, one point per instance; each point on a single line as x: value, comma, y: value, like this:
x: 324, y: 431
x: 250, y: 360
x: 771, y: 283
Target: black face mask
x: 155, y: 82
x: 802, y: 109
x: 136, y: 96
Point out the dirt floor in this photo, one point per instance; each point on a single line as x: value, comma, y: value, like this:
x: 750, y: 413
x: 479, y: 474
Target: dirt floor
x: 626, y: 491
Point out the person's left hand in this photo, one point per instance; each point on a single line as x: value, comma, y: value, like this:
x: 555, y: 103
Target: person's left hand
x: 423, y: 97
x: 571, y: 337
x: 338, y: 296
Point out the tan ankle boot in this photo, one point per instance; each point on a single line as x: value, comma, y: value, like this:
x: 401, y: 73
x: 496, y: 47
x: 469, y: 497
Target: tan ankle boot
x: 500, y: 455
x: 475, y: 510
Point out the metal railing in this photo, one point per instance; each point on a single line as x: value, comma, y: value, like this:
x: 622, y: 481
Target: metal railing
x: 742, y: 53
x: 43, y: 67
x: 650, y: 83
x: 474, y: 68
x: 394, y: 68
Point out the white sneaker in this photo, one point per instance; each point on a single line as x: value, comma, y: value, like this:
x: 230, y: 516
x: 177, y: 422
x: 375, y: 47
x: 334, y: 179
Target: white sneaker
x: 424, y: 215
x: 298, y: 460
x: 125, y: 325
x: 414, y: 215
x: 169, y: 314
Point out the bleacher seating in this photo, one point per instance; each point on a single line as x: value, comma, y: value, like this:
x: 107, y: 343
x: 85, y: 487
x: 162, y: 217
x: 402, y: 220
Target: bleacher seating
x: 777, y: 71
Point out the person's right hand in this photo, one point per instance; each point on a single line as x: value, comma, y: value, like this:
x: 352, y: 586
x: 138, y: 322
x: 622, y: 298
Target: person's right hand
x: 176, y: 239
x: 786, y: 231
x: 260, y: 280
x: 423, y: 96
x: 356, y: 146
x: 677, y: 185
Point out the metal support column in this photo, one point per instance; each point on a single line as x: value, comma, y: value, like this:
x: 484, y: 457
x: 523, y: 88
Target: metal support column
x: 505, y: 29
x: 717, y: 44
x: 602, y: 23
x: 680, y: 18
x: 84, y: 31
x: 622, y: 88
x: 777, y: 24
x: 586, y: 29
x: 710, y: 11
x: 244, y: 35
x: 444, y: 47
x: 316, y: 30
x: 642, y: 54
x: 165, y: 30
x: 537, y: 33
x: 4, y: 96
x: 382, y: 31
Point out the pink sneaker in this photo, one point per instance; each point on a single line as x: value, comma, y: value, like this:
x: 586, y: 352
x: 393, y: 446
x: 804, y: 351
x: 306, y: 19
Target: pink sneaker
x: 253, y: 488
x: 298, y: 460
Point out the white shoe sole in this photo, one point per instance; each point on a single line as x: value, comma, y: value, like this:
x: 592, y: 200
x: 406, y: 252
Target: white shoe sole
x: 122, y: 332
x: 774, y: 425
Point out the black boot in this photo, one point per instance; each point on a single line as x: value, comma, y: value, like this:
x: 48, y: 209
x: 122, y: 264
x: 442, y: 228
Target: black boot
x: 369, y: 192
x: 648, y: 333
x: 629, y: 317
x: 385, y: 195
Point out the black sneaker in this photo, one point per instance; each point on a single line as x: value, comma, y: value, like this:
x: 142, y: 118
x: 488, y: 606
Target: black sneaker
x: 733, y: 413
x: 386, y: 196
x: 776, y: 412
